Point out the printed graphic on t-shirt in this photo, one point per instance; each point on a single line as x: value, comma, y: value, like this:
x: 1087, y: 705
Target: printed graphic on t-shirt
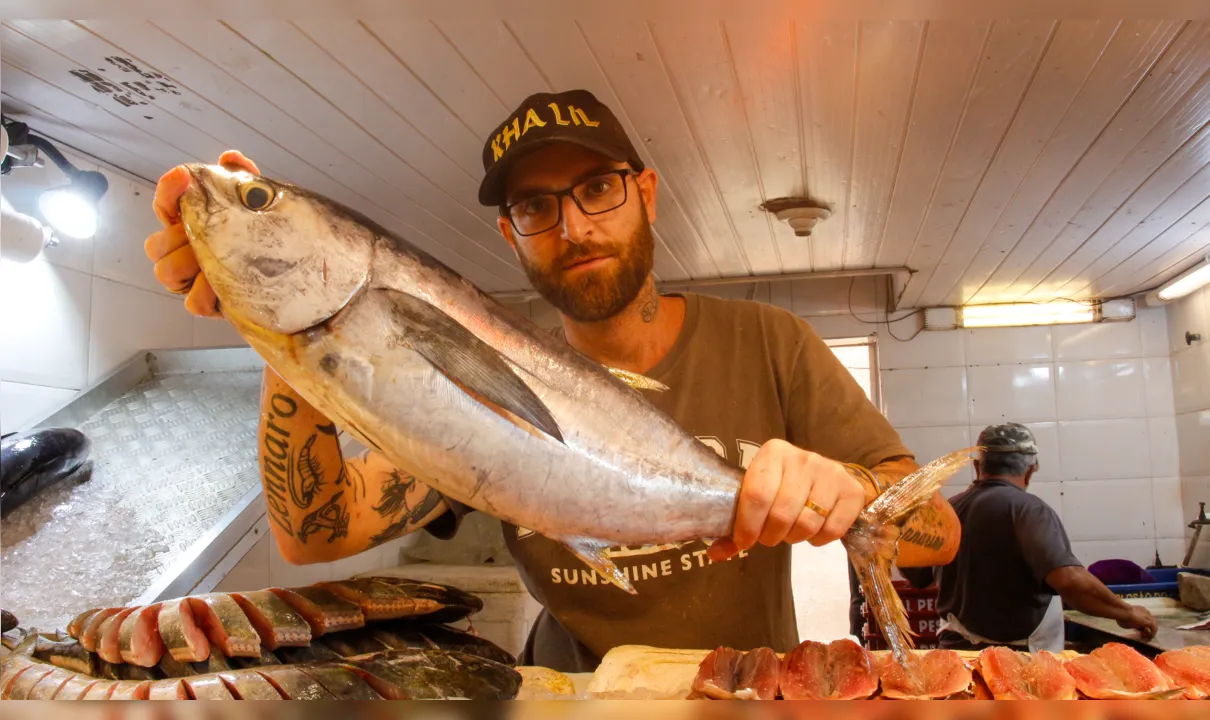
x: 691, y: 557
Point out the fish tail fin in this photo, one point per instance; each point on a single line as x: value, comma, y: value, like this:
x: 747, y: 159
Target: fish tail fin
x: 874, y: 573
x: 592, y: 552
x: 915, y: 490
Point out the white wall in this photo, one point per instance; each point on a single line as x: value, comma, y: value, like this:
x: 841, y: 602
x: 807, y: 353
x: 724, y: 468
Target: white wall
x: 1191, y: 383
x: 85, y: 306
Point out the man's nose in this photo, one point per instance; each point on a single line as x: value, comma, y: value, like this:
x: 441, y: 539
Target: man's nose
x: 575, y: 227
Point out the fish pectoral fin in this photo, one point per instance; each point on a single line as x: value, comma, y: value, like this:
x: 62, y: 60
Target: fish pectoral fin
x: 913, y: 491
x: 465, y: 359
x: 637, y: 381
x: 592, y: 552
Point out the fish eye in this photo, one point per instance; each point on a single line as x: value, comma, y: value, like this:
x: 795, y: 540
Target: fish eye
x: 257, y: 195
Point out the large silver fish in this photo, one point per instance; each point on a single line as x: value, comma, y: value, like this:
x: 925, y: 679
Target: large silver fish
x: 412, y: 359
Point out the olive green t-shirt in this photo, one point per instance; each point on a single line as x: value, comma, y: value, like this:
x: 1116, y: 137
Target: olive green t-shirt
x: 739, y: 374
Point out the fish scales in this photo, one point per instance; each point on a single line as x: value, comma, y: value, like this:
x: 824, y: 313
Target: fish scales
x: 183, y: 639
x: 139, y: 640
x: 324, y: 611
x: 276, y: 622
x: 225, y: 624
x: 250, y: 685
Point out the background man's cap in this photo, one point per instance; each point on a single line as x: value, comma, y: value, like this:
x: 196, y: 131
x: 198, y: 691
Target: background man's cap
x: 1008, y: 437
x: 575, y: 116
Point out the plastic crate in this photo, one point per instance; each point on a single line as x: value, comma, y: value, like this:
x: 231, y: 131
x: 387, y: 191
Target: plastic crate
x: 1165, y: 585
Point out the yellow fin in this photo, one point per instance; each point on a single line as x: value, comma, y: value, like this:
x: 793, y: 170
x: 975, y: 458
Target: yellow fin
x: 637, y: 381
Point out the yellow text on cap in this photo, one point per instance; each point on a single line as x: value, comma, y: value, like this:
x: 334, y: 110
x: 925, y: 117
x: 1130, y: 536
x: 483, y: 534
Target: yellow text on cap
x: 514, y: 130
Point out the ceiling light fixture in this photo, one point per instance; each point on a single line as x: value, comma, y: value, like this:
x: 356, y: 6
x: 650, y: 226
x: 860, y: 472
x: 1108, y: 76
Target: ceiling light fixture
x: 800, y: 213
x: 1187, y: 282
x: 1059, y: 312
x: 70, y: 209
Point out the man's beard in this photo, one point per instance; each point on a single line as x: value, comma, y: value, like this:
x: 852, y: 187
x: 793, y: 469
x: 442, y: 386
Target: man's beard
x: 596, y: 295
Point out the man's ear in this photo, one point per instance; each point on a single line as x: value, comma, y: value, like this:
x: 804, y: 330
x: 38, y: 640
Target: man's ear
x: 648, y: 183
x: 506, y: 229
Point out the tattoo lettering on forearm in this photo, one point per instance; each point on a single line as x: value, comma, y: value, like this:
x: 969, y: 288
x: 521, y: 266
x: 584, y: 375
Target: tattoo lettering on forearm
x: 277, y: 462
x: 332, y: 516
x: 915, y: 537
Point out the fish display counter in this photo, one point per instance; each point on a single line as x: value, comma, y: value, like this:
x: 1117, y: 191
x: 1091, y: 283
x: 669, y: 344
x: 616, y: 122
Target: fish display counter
x: 169, y: 488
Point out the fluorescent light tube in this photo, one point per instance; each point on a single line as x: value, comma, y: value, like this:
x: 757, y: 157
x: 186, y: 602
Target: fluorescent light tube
x: 1016, y: 314
x: 1187, y: 282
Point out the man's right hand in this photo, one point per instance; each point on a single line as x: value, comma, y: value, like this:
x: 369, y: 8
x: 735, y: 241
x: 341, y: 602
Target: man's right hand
x: 175, y: 264
x: 1141, y: 619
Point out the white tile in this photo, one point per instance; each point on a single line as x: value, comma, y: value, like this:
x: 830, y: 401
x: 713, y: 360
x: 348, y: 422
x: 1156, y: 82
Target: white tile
x: 1138, y: 551
x: 1050, y: 460
x: 1153, y: 331
x: 932, y: 348
x: 44, y: 324
x: 1193, y: 439
x: 930, y: 443
x: 1191, y: 379
x: 1194, y: 491
x: 1098, y: 341
x: 997, y: 346
x: 1108, y: 509
x: 125, y: 220
x: 1104, y: 449
x: 1051, y: 492
x: 1171, y: 550
x: 1165, y: 447
x: 210, y: 332
x: 252, y: 571
x: 1011, y: 393
x: 1157, y: 374
x: 1166, y: 503
x: 283, y: 574
x: 1185, y: 315
x: 127, y: 320
x: 1101, y: 389
x: 71, y: 253
x: 932, y: 396
x: 22, y: 404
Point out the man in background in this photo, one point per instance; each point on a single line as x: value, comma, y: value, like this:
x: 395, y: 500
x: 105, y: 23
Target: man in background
x: 1014, y: 562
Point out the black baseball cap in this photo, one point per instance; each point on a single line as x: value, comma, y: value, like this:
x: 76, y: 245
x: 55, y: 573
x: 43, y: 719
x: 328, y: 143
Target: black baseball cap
x: 574, y: 116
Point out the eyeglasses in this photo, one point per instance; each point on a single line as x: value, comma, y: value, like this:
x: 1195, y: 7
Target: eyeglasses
x: 594, y: 196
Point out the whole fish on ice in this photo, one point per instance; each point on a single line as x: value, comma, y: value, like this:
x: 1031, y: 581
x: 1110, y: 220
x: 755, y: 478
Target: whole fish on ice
x: 33, y: 461
x: 484, y: 406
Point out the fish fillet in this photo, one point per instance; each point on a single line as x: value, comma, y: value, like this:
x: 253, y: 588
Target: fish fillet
x: 250, y: 685
x: 184, y: 640
x: 131, y: 690
x: 50, y: 685
x: 294, y: 684
x: 75, y: 688
x: 1012, y: 675
x: 276, y: 623
x: 207, y: 687
x: 25, y: 682
x: 945, y: 675
x: 139, y: 640
x: 758, y: 675
x: 76, y: 626
x: 840, y: 670
x: 101, y: 691
x: 89, y: 634
x: 323, y: 610
x: 1188, y: 668
x: 170, y: 689
x: 716, y: 675
x: 1117, y: 672
x: 108, y: 635
x: 225, y: 625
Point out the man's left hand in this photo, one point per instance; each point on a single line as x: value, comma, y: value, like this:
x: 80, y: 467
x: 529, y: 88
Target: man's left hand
x: 791, y: 495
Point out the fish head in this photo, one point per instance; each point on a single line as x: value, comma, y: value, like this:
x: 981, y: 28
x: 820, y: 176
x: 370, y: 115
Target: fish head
x: 278, y: 257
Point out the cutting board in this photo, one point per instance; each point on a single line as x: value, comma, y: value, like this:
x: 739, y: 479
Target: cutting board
x: 639, y: 672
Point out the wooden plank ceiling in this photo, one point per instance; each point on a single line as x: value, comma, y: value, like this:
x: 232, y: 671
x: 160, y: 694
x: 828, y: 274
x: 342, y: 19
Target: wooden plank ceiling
x: 1001, y: 160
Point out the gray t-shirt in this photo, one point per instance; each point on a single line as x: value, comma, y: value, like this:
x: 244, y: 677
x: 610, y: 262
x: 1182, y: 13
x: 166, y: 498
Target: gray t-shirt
x: 1011, y: 540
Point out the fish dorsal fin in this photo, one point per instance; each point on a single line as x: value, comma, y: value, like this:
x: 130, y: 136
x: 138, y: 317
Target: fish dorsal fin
x: 465, y: 359
x: 637, y: 381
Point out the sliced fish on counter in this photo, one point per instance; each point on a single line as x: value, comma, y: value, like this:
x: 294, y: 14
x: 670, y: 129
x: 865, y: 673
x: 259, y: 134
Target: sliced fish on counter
x: 184, y: 640
x: 67, y: 654
x: 75, y: 688
x: 341, y: 682
x: 323, y: 610
x: 100, y: 690
x: 1117, y: 672
x: 946, y: 675
x: 49, y: 686
x: 139, y: 640
x: 276, y: 623
x: 315, y: 652
x: 250, y: 686
x: 840, y: 670
x: 225, y: 624
x: 32, y: 461
x: 170, y: 689
x: 295, y: 684
x: 716, y: 675
x: 108, y: 643
x: 131, y: 690
x: 758, y: 675
x: 436, y: 675
x: 412, y: 633
x: 1188, y: 668
x: 1013, y: 675
x: 207, y: 687
x: 76, y: 626
x: 91, y: 630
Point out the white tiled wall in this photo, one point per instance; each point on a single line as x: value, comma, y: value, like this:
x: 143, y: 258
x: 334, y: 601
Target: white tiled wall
x: 1191, y: 397
x: 85, y: 306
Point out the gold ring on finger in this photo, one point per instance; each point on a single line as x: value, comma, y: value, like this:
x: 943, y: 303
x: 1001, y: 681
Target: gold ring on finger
x: 817, y: 509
